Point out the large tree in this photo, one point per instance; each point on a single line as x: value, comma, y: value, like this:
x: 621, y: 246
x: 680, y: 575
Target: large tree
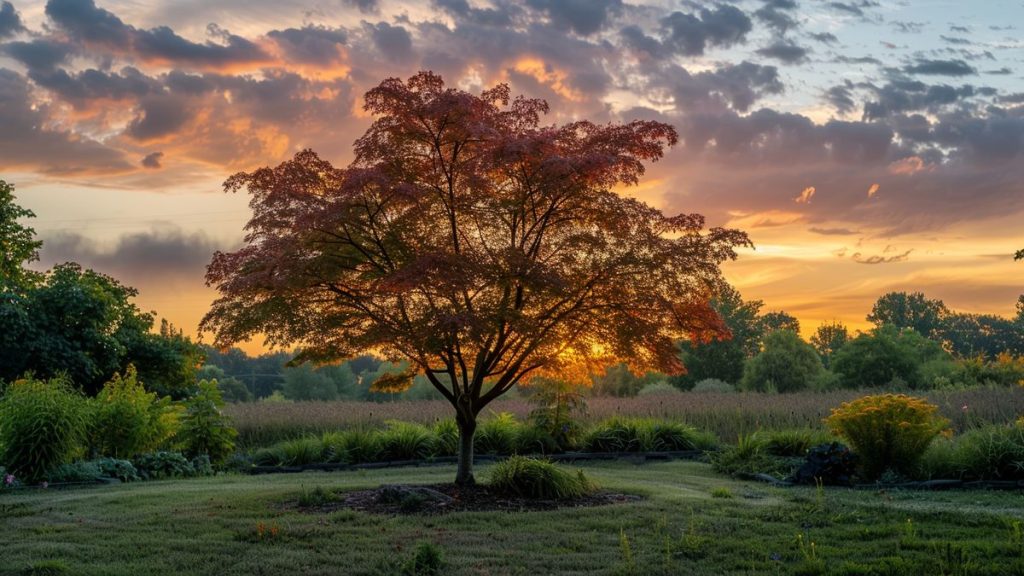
x: 722, y: 359
x: 476, y: 244
x: 828, y: 339
x: 18, y: 245
x: 909, y: 310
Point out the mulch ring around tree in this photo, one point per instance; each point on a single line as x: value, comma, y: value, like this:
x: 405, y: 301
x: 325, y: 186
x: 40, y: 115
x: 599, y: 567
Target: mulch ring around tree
x: 444, y: 498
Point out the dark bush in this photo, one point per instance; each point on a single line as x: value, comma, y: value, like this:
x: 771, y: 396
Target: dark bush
x: 164, y: 465
x: 831, y: 464
x: 532, y: 478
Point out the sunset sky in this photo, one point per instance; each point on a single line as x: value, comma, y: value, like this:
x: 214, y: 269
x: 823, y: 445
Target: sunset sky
x: 866, y: 146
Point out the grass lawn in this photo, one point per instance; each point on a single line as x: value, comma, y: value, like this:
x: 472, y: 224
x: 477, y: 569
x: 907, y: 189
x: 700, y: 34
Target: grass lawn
x: 692, y: 521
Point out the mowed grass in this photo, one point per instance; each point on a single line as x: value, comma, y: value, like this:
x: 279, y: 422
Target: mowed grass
x: 250, y: 525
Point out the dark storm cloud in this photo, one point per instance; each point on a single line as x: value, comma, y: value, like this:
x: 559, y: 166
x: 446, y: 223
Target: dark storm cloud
x: 310, y: 44
x: 955, y: 28
x: 365, y: 6
x: 691, y: 35
x: 81, y: 89
x: 394, y: 42
x: 940, y: 68
x: 955, y: 40
x: 775, y: 15
x: 784, y: 51
x: 858, y: 60
x: 854, y: 8
x: 583, y: 17
x: 824, y: 37
x: 901, y: 95
x: 503, y: 15
x: 85, y: 22
x: 26, y: 143
x: 841, y: 97
x: 161, y: 115
x: 143, y: 255
x: 152, y: 160
x: 735, y: 86
x: 907, y: 27
x: 39, y: 54
x: 1004, y: 71
x: 10, y: 20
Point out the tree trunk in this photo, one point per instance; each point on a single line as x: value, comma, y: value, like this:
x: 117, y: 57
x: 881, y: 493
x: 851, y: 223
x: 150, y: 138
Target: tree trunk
x: 467, y: 427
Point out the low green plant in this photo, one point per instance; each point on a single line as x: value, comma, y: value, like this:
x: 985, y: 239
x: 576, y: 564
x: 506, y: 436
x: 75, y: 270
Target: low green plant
x: 75, y: 472
x: 42, y: 425
x: 406, y: 441
x: 123, y: 470
x: 159, y: 465
x: 315, y: 497
x: 721, y: 492
x: 446, y: 434
x: 361, y: 446
x: 887, y: 431
x: 540, y: 479
x: 498, y: 435
x: 626, y: 554
x: 990, y: 452
x: 713, y: 385
x: 300, y: 452
x: 427, y: 560
x: 645, y: 435
x: 204, y: 427
x: 559, y: 406
x: 47, y: 568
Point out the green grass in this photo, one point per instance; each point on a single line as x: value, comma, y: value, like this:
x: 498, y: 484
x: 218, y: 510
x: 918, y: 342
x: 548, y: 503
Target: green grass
x: 253, y: 525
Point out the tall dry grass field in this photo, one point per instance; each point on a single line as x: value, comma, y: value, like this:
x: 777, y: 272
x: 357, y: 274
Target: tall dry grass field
x: 727, y: 415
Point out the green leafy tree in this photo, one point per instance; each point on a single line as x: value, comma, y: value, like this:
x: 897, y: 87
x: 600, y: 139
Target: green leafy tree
x: 775, y: 321
x: 306, y: 382
x: 887, y: 355
x: 231, y: 388
x: 986, y: 335
x: 722, y: 359
x: 205, y: 430
x: 909, y: 310
x: 787, y: 364
x: 18, y: 245
x: 828, y: 339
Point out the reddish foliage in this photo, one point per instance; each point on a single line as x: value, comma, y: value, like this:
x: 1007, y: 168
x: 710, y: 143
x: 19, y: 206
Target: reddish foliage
x: 475, y: 243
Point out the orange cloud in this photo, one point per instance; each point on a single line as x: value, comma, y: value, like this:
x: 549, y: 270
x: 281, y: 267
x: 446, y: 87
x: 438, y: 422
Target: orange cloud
x: 909, y: 166
x: 873, y: 190
x: 805, y: 196
x: 549, y: 76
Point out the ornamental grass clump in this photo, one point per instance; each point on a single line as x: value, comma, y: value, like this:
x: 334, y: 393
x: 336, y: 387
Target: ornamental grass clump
x: 42, y: 425
x: 540, y: 479
x: 887, y: 431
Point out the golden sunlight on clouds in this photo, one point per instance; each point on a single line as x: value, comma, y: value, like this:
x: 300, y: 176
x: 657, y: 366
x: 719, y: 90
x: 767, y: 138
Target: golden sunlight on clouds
x: 873, y: 190
x: 805, y: 196
x: 548, y: 75
x: 909, y: 166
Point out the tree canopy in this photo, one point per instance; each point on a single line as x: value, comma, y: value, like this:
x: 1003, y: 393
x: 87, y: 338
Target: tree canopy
x: 909, y: 310
x: 18, y: 245
x: 475, y: 243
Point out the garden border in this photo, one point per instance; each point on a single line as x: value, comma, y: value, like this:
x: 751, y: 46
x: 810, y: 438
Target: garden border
x: 937, y: 484
x: 639, y: 457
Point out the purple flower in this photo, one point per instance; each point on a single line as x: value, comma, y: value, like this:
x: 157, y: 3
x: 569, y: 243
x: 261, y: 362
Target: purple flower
x: 8, y: 479
x: 45, y: 484
x: 776, y: 556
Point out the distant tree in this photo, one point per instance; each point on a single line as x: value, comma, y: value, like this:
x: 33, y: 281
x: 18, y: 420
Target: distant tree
x: 1019, y: 255
x: 18, y: 246
x: 885, y: 356
x: 722, y: 359
x: 470, y: 241
x: 775, y: 321
x: 617, y: 381
x: 828, y: 339
x: 304, y: 382
x: 231, y: 388
x: 786, y: 364
x: 986, y: 335
x: 909, y: 310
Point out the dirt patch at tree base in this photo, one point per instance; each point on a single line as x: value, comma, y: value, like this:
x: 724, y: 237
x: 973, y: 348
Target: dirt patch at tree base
x: 445, y: 498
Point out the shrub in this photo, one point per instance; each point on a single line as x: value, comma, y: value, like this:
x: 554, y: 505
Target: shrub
x: 123, y: 470
x: 446, y: 434
x: 540, y: 479
x: 713, y: 385
x: 831, y: 463
x: 794, y: 442
x: 885, y: 355
x: 646, y: 435
x: 300, y: 452
x: 749, y: 456
x: 787, y: 364
x: 559, y: 405
x: 406, y: 441
x: 361, y: 446
x: 42, y: 425
x: 887, y: 431
x: 992, y: 452
x: 76, y: 472
x: 159, y: 465
x: 427, y: 560
x: 126, y: 420
x: 499, y: 435
x: 204, y: 428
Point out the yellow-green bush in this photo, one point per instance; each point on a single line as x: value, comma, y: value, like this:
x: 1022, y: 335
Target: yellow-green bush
x: 887, y: 431
x: 125, y: 420
x: 42, y: 424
